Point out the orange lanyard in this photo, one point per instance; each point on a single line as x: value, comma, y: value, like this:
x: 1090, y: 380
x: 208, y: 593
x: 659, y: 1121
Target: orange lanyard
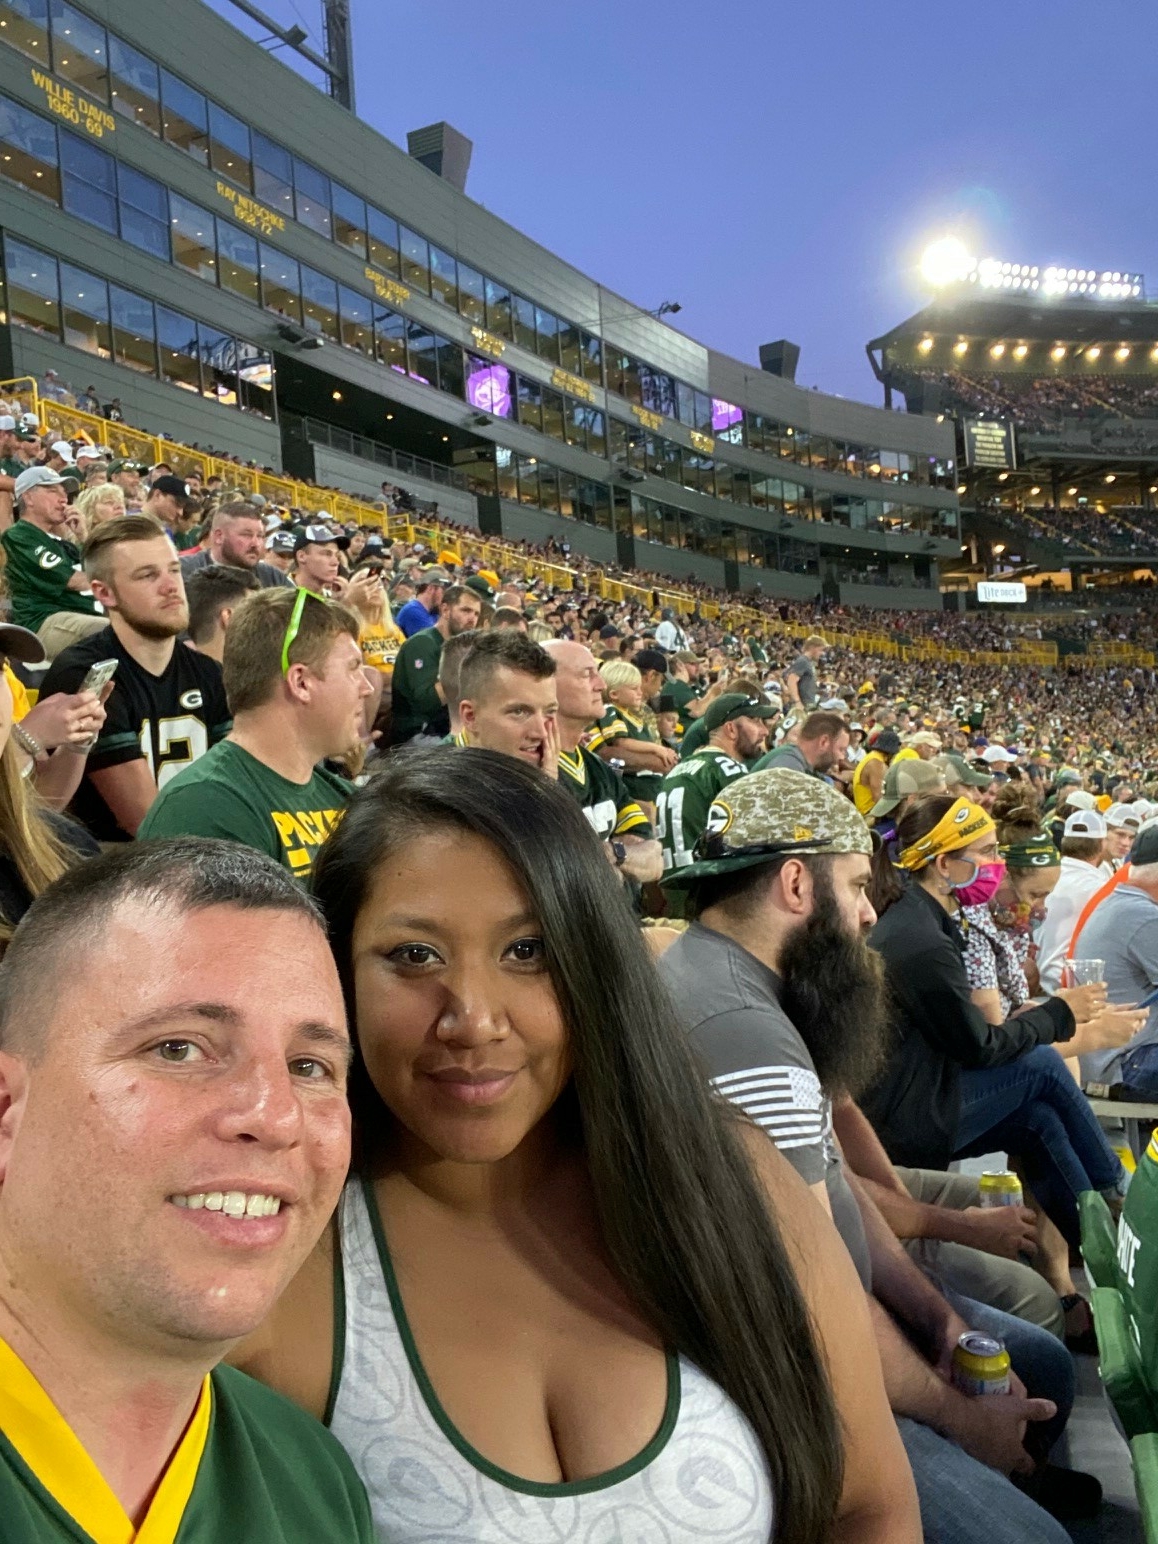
x: 1092, y: 905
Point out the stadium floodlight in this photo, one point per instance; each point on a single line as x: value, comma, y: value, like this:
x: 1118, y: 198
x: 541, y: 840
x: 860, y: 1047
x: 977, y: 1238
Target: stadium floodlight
x: 1057, y: 353
x: 960, y: 347
x: 997, y: 351
x: 1121, y: 352
x: 947, y: 261
x: 925, y: 345
x: 1021, y: 351
x: 1093, y: 352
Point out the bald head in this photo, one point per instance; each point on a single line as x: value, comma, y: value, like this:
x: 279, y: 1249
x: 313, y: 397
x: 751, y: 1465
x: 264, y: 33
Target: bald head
x: 578, y: 682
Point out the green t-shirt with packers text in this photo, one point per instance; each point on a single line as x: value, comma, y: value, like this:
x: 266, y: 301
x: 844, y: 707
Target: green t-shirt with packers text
x: 230, y: 794
x: 37, y: 572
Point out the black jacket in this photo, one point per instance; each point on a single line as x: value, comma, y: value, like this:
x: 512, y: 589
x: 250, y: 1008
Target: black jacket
x: 937, y: 1031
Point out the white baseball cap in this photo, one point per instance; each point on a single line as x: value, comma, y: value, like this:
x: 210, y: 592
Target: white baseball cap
x: 1123, y: 817
x: 88, y: 453
x: 61, y: 448
x: 1081, y: 799
x: 995, y: 753
x: 1085, y: 823
x: 36, y: 477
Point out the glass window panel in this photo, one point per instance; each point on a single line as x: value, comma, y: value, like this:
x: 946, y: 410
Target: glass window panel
x: 383, y: 240
x: 547, y: 327
x: 601, y: 507
x: 596, y: 443
x: 499, y: 319
x: 312, y: 194
x: 443, y: 277
x: 281, y: 285
x: 471, y: 295
x: 530, y: 403
x: 741, y: 485
x: 218, y: 352
x: 423, y: 357
x: 618, y: 433
x: 24, y: 25
x: 194, y: 238
x: 273, y: 175
x: 672, y: 535
x: 33, y: 292
x: 415, y: 253
x: 357, y: 320
x: 570, y: 348
x: 480, y: 477
x: 88, y: 182
x: 686, y: 404
x: 592, y: 358
x: 723, y: 480
x: 179, y: 349
x: 136, y: 85
x: 575, y: 423
x: 255, y: 379
x: 568, y: 485
x: 390, y: 338
x: 80, y: 50
x: 84, y: 303
x: 450, y: 371
x: 553, y: 413
x: 639, y: 517
x: 319, y: 303
x: 28, y: 150
x: 229, y: 151
x: 702, y: 413
x: 488, y: 386
x: 549, y: 489
x: 184, y: 117
x: 523, y: 315
x: 505, y: 468
x: 237, y: 268
x: 349, y: 219
x: 628, y: 374
x: 658, y: 391
x: 134, y: 338
x: 144, y: 212
x: 528, y: 469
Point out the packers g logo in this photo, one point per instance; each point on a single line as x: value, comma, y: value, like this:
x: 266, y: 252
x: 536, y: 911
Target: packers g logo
x: 963, y: 815
x: 190, y: 699
x: 719, y: 819
x: 49, y: 560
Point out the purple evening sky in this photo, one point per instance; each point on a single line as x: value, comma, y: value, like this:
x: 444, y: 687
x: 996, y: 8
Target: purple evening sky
x: 779, y: 169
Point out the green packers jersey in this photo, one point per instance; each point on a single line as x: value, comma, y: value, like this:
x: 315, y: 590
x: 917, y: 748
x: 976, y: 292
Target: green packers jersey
x: 685, y: 796
x: 601, y: 792
x: 1138, y: 1259
x: 38, y: 569
x: 619, y: 724
x: 681, y: 693
x: 251, y: 1469
x: 695, y: 738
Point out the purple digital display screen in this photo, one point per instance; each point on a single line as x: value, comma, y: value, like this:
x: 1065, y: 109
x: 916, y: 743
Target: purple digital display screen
x: 724, y: 414
x: 488, y: 387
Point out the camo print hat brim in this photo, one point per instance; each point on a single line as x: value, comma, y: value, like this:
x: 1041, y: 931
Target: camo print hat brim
x: 767, y: 815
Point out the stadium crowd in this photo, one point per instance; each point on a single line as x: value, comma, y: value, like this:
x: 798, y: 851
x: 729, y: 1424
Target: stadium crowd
x: 435, y: 859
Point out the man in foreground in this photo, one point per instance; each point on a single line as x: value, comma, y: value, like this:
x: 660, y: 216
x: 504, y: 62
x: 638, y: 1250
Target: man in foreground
x: 783, y: 1000
x: 295, y: 685
x: 169, y: 1155
x: 167, y: 705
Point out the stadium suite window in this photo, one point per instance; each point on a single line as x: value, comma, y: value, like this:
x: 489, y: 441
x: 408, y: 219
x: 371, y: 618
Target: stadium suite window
x: 349, y: 219
x: 357, y: 324
x: 320, y: 303
x: 451, y: 376
x: 24, y: 25
x: 218, y: 351
x: 194, y: 238
x: 88, y: 182
x: 144, y: 212
x: 33, y: 287
x: 547, y: 335
x: 237, y: 262
x: 80, y: 50
x: 383, y: 233
x: 471, y: 295
x: 136, y: 85
x: 178, y: 348
x: 273, y: 174
x: 84, y: 305
x: 498, y: 309
x: 184, y: 118
x: 443, y: 277
x: 390, y: 339
x: 281, y: 285
x: 523, y: 319
x: 415, y: 252
x: 229, y: 148
x: 422, y: 349
x: 255, y: 380
x: 28, y: 154
x: 134, y: 331
x: 312, y: 198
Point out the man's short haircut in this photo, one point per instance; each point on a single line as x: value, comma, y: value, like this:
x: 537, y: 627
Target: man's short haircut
x: 1085, y: 847
x: 817, y: 725
x: 620, y: 672
x: 452, y: 594
x: 813, y: 641
x: 188, y: 874
x: 97, y: 557
x: 492, y: 652
x: 253, y: 644
x: 454, y: 651
x: 211, y: 588
x: 508, y: 616
x: 224, y: 514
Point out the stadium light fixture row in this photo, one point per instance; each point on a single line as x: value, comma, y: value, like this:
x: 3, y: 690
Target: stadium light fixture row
x: 1021, y: 351
x: 949, y: 261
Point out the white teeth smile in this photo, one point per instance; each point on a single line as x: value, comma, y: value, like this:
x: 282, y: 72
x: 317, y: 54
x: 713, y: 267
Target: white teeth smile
x: 234, y: 1203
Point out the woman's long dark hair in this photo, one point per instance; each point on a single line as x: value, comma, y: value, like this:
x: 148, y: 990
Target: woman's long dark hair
x: 683, y: 1217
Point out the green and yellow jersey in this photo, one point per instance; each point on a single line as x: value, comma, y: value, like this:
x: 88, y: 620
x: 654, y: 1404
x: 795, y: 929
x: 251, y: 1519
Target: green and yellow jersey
x: 251, y: 1468
x: 620, y: 724
x: 602, y: 794
x: 685, y: 796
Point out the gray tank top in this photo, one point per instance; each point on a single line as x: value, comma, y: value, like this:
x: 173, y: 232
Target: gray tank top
x: 702, y: 1476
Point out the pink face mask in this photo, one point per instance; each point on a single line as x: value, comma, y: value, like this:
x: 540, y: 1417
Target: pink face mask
x: 984, y: 885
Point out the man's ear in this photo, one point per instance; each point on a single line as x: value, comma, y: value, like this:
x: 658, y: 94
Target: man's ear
x: 795, y: 881
x: 14, y: 1083
x: 466, y: 713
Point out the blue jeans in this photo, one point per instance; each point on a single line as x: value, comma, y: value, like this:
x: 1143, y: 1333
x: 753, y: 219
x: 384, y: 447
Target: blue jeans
x: 1139, y: 1071
x: 1032, y: 1108
x: 965, y: 1502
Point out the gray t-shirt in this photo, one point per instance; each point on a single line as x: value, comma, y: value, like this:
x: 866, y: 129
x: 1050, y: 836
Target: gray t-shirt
x: 1123, y: 931
x: 269, y: 577
x: 805, y: 672
x: 727, y: 1001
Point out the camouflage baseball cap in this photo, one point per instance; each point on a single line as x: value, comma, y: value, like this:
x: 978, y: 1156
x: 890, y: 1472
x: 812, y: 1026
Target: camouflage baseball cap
x: 773, y: 814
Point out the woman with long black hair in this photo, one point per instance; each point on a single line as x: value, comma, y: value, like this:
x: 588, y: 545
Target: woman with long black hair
x: 569, y: 1294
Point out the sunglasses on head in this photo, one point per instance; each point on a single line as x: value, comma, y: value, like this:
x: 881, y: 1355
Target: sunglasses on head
x: 295, y: 624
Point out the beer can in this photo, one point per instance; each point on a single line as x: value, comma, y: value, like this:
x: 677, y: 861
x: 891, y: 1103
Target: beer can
x: 980, y: 1365
x: 1000, y: 1187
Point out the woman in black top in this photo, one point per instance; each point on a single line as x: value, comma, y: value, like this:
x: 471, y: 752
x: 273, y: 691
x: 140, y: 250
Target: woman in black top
x: 955, y: 1085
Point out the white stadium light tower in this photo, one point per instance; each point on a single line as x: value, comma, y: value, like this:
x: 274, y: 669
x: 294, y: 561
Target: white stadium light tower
x: 947, y: 261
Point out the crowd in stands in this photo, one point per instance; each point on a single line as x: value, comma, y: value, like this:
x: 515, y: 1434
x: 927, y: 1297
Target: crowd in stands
x: 1041, y: 402
x: 644, y: 921
x: 1120, y: 532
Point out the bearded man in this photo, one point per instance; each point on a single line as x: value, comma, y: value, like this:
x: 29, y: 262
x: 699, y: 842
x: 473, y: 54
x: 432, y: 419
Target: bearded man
x: 785, y: 1004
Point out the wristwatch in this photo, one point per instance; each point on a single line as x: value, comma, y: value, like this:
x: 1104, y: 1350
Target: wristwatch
x: 620, y: 851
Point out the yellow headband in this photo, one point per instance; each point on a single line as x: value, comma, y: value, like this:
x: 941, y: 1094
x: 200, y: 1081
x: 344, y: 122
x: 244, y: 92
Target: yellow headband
x: 958, y: 827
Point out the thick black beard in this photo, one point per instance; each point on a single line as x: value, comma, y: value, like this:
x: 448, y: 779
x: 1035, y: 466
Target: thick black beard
x: 833, y: 990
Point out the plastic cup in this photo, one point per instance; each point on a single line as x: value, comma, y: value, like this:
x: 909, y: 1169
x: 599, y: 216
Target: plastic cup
x: 1084, y: 972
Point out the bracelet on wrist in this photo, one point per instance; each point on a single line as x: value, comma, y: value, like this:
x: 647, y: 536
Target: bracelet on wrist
x: 26, y: 742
